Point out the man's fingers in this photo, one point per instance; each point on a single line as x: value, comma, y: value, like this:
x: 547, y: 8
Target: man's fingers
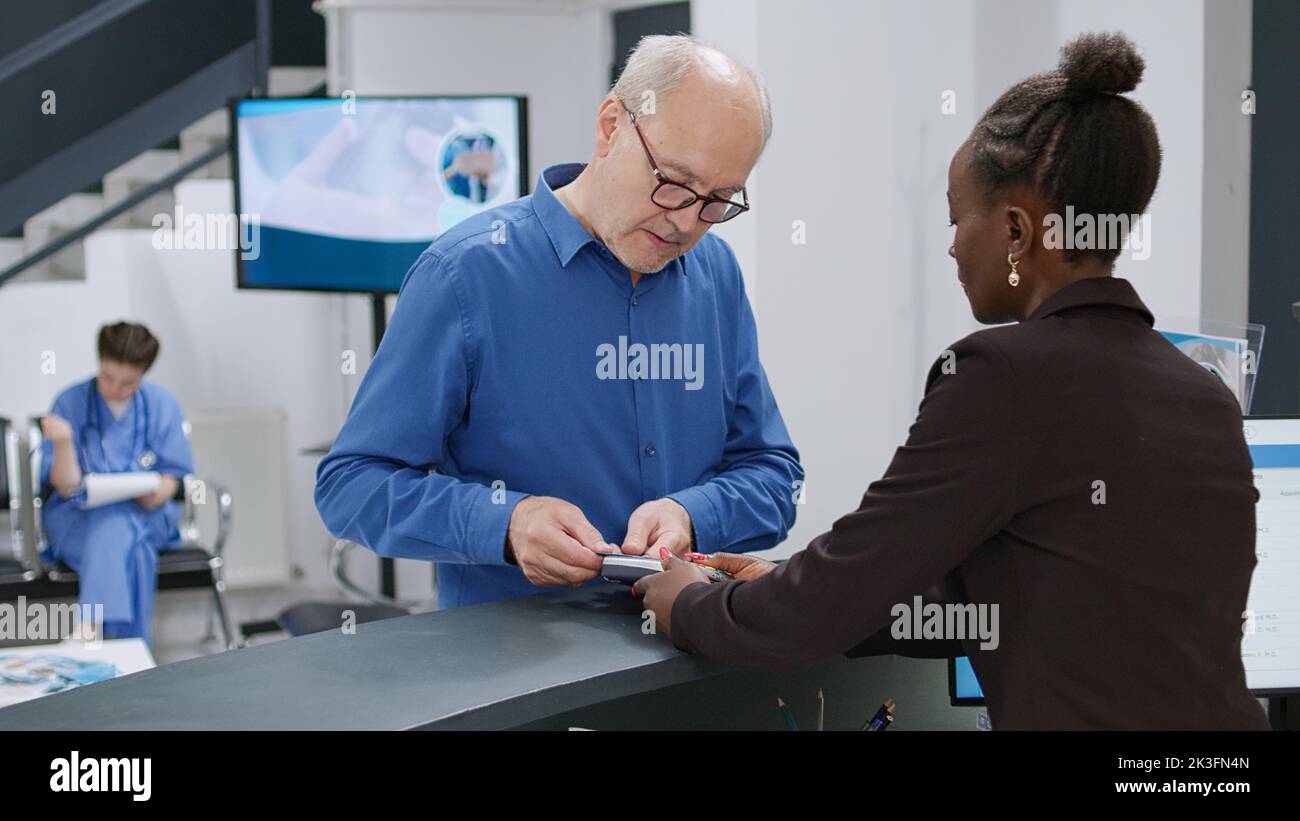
x: 582, y: 531
x: 637, y: 532
x: 674, y: 541
x: 551, y: 570
x: 561, y: 548
x: 568, y: 550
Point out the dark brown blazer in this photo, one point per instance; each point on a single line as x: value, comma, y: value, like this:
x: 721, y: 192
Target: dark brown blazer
x: 1081, y: 473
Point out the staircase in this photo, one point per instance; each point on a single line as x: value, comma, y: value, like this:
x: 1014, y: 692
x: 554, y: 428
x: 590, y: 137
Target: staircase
x: 139, y: 173
x: 95, y: 95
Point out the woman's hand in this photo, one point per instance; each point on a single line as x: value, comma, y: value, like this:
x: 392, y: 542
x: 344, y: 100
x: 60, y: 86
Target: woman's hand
x: 56, y: 429
x: 660, y: 590
x: 65, y: 473
x: 166, y: 490
x: 737, y: 565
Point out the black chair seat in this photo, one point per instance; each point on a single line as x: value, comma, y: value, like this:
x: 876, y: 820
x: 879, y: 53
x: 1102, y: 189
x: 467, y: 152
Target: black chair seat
x: 11, y: 570
x: 178, y: 560
x: 319, y: 616
x: 183, y: 559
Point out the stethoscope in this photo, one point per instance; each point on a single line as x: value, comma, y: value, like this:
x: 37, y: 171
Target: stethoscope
x: 139, y: 431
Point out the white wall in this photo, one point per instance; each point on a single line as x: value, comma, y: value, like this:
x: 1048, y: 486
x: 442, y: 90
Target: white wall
x: 1225, y: 246
x: 850, y: 322
x: 556, y: 53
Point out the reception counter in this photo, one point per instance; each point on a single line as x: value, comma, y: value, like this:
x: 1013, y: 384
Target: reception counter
x: 552, y: 661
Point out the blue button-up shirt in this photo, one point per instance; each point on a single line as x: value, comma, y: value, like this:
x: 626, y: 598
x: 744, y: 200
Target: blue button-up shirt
x: 520, y: 360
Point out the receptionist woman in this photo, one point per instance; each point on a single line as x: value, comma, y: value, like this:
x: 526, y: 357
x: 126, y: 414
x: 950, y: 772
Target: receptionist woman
x: 115, y: 422
x: 1073, y: 468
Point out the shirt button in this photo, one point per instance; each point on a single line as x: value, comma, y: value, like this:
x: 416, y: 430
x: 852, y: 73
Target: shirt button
x: 633, y: 300
x: 649, y: 450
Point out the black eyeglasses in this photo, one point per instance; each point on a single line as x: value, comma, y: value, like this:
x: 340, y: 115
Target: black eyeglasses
x: 674, y: 196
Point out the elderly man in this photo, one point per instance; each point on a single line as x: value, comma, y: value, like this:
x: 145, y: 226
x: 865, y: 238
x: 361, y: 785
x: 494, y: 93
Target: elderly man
x: 580, y: 366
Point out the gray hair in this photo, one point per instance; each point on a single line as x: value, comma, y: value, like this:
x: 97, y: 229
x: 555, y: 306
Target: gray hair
x: 661, y: 61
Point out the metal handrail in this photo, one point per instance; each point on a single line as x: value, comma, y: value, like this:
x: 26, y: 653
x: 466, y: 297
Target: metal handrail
x: 65, y: 35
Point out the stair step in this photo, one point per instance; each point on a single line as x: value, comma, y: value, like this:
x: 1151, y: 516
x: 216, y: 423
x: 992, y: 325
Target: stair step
x: 63, y: 216
x: 11, y: 250
x: 140, y: 171
x: 202, y: 136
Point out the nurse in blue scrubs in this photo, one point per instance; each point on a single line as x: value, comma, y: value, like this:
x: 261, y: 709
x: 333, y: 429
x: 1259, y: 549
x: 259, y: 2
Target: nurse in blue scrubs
x: 115, y: 422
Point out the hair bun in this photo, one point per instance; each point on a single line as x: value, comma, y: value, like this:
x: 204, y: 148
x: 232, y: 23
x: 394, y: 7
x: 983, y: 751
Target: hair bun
x: 1104, y: 63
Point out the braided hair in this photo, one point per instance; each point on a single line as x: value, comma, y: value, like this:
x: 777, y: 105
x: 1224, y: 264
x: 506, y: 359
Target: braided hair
x: 1069, y: 135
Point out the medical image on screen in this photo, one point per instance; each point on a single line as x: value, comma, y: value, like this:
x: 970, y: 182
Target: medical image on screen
x: 348, y: 192
x: 473, y: 166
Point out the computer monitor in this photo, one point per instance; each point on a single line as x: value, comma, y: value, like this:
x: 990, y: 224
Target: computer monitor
x: 344, y: 194
x: 963, y: 686
x: 1270, y: 644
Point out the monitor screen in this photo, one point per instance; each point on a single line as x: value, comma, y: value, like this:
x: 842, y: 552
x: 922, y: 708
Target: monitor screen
x: 343, y: 194
x: 1270, y: 643
x: 963, y: 686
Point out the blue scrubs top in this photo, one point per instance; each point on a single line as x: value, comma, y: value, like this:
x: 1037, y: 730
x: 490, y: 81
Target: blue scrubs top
x: 514, y: 365
x: 114, y: 548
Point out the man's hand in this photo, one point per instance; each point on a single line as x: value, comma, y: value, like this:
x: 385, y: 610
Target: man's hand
x: 660, y: 590
x: 553, y: 543
x: 166, y: 490
x: 660, y: 523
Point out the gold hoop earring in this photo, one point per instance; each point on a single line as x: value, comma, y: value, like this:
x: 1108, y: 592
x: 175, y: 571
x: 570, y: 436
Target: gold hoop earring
x: 1013, y: 278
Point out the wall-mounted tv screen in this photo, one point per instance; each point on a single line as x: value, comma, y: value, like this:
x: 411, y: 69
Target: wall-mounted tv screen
x: 343, y: 194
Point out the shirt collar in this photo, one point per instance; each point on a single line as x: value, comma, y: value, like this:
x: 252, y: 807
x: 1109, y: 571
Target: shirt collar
x: 566, y: 233
x: 1094, y: 291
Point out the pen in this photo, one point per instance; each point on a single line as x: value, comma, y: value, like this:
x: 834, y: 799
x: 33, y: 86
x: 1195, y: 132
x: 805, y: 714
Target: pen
x: 785, y: 712
x: 883, y: 717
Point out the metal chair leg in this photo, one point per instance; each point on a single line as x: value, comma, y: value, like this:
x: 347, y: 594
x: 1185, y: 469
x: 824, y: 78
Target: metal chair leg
x: 218, y: 588
x: 209, y: 630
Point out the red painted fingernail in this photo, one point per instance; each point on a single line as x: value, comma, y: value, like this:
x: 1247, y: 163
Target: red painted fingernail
x: 664, y: 553
x: 697, y: 556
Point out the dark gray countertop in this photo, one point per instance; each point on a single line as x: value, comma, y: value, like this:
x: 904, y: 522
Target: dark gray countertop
x: 489, y: 666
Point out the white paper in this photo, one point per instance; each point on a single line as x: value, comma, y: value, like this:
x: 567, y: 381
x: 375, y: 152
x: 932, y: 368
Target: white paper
x: 107, y: 488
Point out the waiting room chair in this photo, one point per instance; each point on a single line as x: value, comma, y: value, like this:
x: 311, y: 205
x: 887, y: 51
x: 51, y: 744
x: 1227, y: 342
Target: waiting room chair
x: 195, y: 563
